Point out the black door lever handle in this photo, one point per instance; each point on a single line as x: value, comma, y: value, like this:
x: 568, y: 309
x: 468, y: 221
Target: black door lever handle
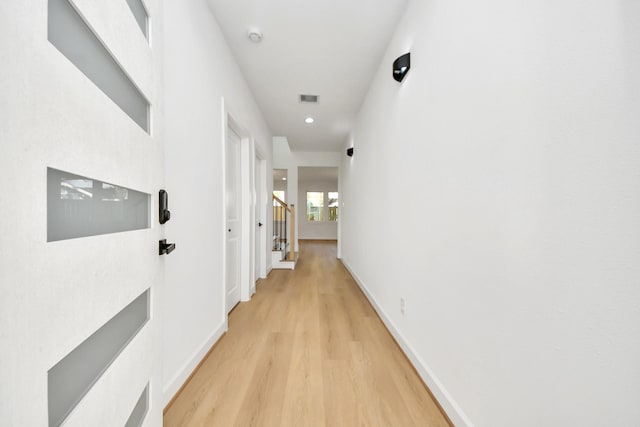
x: 259, y: 224
x: 165, y: 248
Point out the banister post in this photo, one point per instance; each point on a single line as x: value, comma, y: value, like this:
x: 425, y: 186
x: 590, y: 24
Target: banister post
x: 292, y: 245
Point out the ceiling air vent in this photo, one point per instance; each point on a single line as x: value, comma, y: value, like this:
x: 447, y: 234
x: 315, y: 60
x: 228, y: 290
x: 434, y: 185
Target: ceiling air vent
x: 309, y: 98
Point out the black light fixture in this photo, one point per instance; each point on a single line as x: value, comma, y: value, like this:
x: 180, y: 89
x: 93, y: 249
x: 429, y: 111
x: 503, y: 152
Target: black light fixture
x: 401, y: 66
x: 350, y: 152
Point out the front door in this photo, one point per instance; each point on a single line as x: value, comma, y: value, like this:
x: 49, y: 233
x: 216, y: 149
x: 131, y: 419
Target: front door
x: 80, y: 166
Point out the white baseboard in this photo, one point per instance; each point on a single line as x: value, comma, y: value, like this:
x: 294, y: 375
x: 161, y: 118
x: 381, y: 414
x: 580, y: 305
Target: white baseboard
x: 172, y: 386
x: 284, y: 265
x: 448, y: 404
x: 328, y: 239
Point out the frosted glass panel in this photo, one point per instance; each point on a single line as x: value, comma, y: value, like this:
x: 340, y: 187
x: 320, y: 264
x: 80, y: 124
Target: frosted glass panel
x: 140, y: 13
x: 78, y: 206
x: 74, y: 39
x: 140, y: 410
x: 73, y: 376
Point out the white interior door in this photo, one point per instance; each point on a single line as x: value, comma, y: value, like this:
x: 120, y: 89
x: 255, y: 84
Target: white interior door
x: 81, y: 166
x: 233, y: 214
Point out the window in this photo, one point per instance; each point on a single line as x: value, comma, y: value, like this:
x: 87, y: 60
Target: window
x: 74, y: 375
x: 74, y: 38
x: 333, y: 206
x: 78, y: 206
x: 315, y: 206
x: 140, y: 14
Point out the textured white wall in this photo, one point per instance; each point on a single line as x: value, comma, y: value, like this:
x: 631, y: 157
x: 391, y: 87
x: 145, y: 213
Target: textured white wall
x: 199, y: 70
x: 511, y: 153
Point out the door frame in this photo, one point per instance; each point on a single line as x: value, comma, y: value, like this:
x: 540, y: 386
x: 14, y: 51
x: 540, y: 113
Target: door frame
x: 247, y: 160
x: 259, y: 210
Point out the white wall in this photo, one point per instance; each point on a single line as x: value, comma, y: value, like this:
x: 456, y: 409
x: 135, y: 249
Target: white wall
x: 316, y: 230
x: 511, y: 152
x: 199, y: 70
x: 281, y: 153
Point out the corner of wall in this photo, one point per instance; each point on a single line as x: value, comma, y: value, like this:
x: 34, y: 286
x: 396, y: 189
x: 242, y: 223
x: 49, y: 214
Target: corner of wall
x: 173, y: 386
x: 437, y: 389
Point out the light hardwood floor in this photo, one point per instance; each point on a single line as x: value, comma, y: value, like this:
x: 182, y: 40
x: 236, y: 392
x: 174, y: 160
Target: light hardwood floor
x: 307, y: 350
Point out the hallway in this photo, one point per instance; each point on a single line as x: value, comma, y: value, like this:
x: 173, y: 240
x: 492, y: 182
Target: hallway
x: 308, y: 349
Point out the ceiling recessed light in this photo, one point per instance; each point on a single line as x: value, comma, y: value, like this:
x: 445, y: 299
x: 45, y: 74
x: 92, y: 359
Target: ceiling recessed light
x: 255, y: 35
x: 284, y: 178
x: 309, y: 120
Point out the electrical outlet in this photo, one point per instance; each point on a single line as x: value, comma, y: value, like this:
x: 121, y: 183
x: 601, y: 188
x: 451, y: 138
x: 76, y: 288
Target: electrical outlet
x: 403, y: 305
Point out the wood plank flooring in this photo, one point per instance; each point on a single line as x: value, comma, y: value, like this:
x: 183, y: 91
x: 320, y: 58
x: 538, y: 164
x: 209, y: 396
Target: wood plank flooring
x: 307, y: 350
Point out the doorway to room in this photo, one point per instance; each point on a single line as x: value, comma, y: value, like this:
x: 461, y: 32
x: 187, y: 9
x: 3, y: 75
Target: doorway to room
x: 319, y: 199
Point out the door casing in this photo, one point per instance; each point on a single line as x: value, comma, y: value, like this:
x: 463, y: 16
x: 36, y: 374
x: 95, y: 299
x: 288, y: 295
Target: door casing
x: 248, y: 152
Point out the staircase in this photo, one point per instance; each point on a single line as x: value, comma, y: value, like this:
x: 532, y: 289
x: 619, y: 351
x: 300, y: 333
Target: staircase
x: 283, y: 255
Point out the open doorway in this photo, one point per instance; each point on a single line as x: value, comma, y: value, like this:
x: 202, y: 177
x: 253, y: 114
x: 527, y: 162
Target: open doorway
x: 283, y: 255
x: 280, y: 200
x: 319, y: 199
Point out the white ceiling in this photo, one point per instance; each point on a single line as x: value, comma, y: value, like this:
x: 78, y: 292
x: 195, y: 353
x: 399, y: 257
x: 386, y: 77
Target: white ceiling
x: 329, y: 48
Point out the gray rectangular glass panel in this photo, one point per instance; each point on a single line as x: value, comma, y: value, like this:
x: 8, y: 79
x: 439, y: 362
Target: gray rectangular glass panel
x: 73, y: 376
x: 79, y: 207
x: 69, y: 33
x: 140, y: 410
x: 140, y: 13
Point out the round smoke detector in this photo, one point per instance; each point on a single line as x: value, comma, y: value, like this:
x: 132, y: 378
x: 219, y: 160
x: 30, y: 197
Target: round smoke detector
x: 254, y: 35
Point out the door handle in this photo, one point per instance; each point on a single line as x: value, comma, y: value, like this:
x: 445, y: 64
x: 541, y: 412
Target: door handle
x: 259, y: 224
x: 165, y: 248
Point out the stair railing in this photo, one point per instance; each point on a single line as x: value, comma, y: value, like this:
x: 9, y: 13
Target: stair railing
x: 283, y: 235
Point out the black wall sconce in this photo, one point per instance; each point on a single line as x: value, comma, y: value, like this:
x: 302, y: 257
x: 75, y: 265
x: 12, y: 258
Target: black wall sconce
x: 350, y: 152
x: 401, y: 66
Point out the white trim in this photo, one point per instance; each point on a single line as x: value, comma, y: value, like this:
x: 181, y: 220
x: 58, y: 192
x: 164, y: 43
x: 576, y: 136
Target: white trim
x: 284, y: 265
x: 340, y: 207
x: 328, y: 239
x: 453, y: 410
x: 178, y: 380
x: 247, y: 157
x: 261, y: 239
x: 223, y: 208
